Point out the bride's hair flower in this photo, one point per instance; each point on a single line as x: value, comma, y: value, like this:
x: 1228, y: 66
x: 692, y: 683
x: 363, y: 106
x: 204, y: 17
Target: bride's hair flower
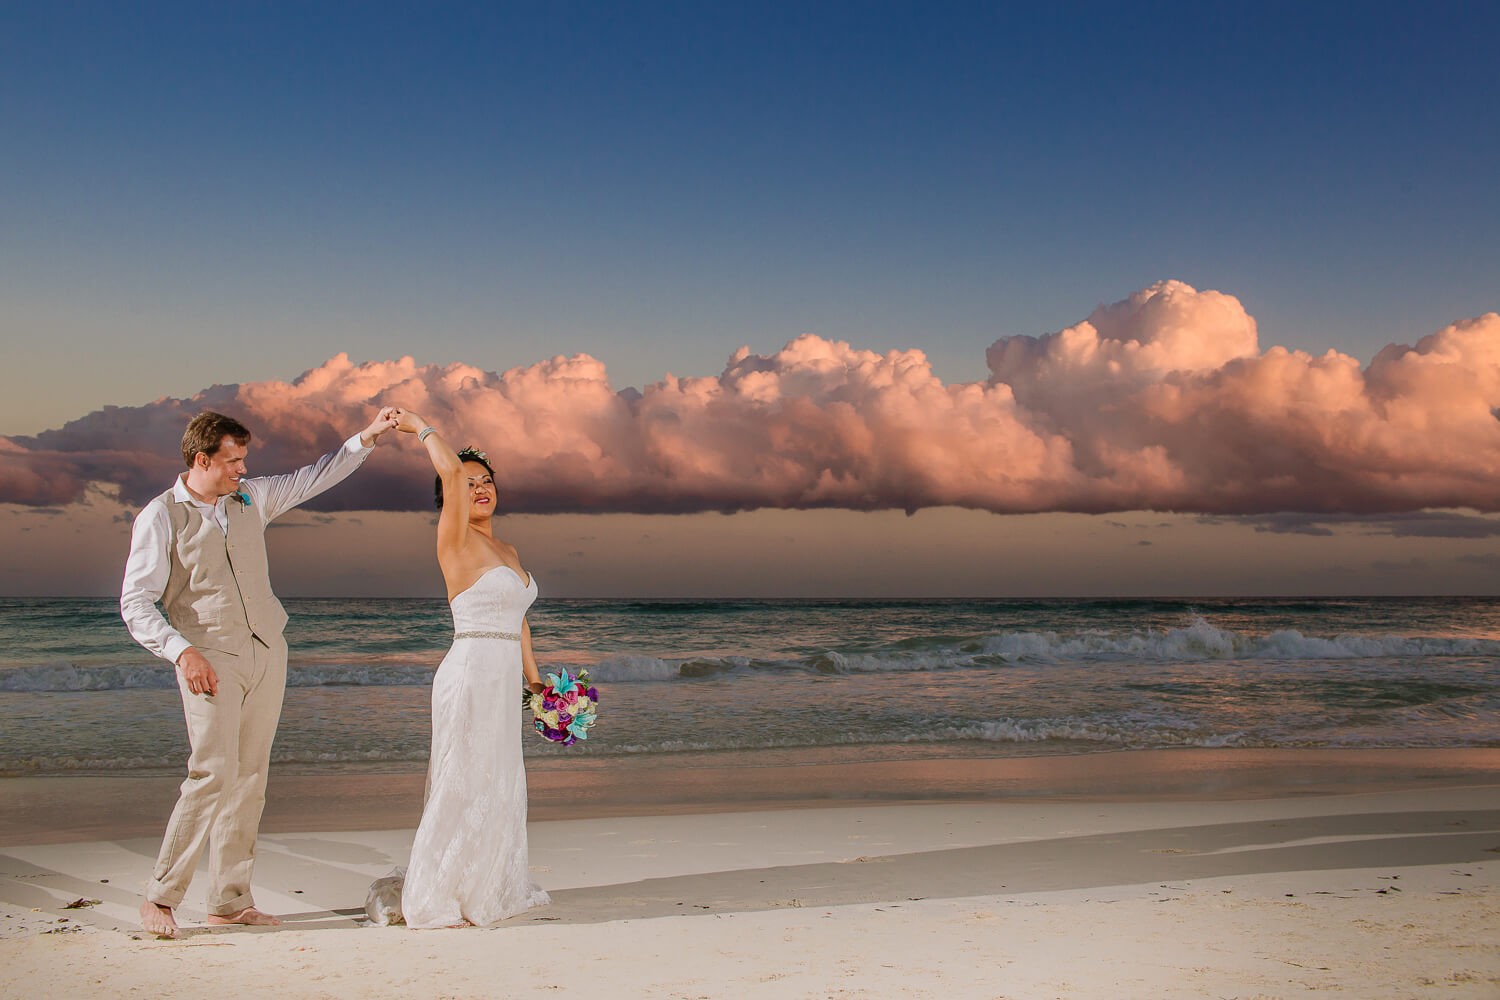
x: 565, y: 708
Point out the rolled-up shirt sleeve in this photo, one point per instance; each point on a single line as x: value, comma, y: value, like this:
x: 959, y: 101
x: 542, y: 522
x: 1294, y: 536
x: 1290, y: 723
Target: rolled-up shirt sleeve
x: 146, y: 572
x: 278, y: 494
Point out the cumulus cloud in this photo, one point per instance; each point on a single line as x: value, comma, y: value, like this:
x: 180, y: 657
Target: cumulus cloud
x: 1162, y: 401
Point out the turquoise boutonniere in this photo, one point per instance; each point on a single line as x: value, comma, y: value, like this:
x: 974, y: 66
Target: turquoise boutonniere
x: 243, y: 498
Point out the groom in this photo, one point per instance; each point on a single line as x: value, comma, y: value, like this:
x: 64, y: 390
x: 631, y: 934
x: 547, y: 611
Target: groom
x: 199, y: 549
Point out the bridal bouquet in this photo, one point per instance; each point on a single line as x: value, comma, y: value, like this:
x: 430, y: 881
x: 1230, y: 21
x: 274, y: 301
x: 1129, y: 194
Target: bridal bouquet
x: 565, y: 708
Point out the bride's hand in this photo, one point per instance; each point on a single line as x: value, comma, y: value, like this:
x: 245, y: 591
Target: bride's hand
x: 408, y: 422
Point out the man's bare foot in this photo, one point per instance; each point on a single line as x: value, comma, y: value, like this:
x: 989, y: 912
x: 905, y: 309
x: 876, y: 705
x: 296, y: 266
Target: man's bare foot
x: 158, y: 920
x: 249, y: 916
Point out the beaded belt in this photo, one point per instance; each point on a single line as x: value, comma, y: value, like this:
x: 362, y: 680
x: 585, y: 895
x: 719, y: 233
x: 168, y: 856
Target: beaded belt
x: 512, y: 636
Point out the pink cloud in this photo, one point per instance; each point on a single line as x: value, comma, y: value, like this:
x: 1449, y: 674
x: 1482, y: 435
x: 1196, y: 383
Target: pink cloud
x: 1161, y: 401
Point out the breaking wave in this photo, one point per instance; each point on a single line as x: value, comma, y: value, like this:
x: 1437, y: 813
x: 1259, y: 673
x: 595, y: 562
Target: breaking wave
x: 1198, y: 641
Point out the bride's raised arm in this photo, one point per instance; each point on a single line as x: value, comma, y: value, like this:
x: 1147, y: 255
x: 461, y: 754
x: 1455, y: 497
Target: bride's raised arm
x: 452, y: 525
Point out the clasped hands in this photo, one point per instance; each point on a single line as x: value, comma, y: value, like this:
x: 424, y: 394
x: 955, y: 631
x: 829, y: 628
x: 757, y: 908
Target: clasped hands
x: 384, y: 420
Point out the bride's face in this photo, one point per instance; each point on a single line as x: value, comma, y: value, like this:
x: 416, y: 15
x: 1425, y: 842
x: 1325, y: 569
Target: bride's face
x: 482, y: 492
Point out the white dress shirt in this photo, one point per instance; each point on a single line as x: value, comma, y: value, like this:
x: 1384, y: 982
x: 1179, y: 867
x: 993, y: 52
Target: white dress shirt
x: 150, y: 562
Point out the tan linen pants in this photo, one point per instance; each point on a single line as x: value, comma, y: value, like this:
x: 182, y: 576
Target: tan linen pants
x: 221, y: 800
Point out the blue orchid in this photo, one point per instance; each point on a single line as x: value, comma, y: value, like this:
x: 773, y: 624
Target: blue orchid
x: 562, y: 683
x: 579, y: 727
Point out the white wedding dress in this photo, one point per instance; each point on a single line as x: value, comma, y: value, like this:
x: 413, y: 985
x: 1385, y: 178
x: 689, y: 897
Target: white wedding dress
x: 469, y: 859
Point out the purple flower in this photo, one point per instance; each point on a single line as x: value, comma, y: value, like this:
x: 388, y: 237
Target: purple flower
x: 593, y: 694
x: 563, y: 718
x: 548, y: 703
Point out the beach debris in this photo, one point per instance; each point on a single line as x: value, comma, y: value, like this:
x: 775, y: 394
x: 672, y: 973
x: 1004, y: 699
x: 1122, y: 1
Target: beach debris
x: 180, y: 943
x: 80, y: 903
x: 383, y: 902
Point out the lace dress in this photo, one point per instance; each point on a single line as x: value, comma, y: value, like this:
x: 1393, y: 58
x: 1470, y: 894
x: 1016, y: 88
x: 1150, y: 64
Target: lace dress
x: 469, y: 859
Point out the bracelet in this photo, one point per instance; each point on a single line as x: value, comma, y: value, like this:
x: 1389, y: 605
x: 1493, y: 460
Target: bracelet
x: 422, y: 434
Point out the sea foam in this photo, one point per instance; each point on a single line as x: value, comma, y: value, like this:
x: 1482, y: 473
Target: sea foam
x: 1198, y: 641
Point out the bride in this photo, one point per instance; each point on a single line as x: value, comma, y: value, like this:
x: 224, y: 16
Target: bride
x: 469, y: 859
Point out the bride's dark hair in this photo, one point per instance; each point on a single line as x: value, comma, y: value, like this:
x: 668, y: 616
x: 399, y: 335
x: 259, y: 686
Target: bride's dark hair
x: 466, y: 455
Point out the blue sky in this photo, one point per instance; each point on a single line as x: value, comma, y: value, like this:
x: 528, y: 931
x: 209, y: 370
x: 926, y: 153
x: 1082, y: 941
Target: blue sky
x: 194, y: 194
x: 656, y: 184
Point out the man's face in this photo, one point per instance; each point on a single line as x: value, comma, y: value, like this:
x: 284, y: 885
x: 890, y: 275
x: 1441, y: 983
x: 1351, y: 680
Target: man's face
x: 222, y: 471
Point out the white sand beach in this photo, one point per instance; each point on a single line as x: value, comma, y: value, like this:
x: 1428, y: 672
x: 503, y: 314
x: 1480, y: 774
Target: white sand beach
x: 1378, y: 888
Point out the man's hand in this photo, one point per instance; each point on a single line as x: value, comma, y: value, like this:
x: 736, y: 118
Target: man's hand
x: 384, y: 421
x: 198, y: 672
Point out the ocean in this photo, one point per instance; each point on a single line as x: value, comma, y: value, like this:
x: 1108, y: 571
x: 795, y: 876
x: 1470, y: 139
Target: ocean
x: 803, y: 681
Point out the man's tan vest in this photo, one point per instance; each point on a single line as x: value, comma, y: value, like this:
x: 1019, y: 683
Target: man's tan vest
x: 218, y: 594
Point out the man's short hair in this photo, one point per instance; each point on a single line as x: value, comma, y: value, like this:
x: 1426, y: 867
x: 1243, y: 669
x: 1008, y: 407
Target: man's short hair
x: 206, y: 433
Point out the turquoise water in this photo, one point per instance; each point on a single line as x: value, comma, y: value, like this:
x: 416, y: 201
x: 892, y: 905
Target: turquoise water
x: 813, y: 679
